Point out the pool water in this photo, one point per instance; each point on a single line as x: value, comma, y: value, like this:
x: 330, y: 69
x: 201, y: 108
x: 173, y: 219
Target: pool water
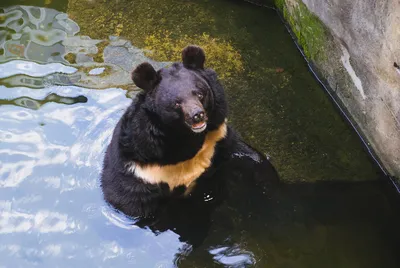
x: 64, y: 83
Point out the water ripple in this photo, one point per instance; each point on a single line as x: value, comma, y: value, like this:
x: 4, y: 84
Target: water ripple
x: 33, y: 69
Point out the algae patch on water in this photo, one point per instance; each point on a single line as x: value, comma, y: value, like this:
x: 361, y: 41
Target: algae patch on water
x: 70, y: 57
x: 221, y: 55
x: 150, y: 26
x: 98, y: 57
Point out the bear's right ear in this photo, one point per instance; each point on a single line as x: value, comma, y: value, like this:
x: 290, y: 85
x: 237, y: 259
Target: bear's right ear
x: 145, y: 77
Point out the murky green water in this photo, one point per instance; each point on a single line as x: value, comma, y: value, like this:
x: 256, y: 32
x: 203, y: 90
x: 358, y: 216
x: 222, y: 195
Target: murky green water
x: 64, y: 83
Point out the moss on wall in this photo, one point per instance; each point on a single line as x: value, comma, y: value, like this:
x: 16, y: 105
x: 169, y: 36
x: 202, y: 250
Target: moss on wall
x: 309, y: 30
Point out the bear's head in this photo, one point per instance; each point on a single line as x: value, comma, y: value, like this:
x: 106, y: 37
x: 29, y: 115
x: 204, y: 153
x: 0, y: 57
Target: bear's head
x: 186, y: 96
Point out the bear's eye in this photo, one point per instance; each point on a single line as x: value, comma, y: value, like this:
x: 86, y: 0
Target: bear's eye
x: 200, y: 95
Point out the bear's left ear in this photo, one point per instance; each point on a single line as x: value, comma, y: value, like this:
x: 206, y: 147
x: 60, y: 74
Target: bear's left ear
x: 193, y: 57
x: 145, y: 77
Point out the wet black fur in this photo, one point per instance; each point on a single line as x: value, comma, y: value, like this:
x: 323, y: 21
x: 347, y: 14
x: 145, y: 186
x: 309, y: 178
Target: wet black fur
x: 143, y: 137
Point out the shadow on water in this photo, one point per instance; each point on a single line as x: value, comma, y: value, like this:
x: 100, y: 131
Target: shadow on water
x: 324, y: 224
x: 71, y: 72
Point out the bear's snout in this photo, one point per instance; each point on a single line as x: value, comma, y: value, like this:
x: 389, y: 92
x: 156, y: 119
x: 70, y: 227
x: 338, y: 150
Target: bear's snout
x: 198, y: 117
x: 195, y: 116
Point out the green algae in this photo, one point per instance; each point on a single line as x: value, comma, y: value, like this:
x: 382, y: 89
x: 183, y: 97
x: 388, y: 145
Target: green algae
x: 43, y: 38
x: 309, y: 30
x: 98, y: 57
x: 85, y: 69
x: 107, y: 71
x: 221, y: 55
x: 70, y: 57
x: 162, y: 39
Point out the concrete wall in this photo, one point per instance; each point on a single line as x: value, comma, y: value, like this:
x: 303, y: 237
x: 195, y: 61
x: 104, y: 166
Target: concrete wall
x: 354, y: 44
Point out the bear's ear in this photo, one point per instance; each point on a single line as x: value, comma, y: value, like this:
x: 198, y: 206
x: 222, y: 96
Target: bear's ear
x: 193, y: 57
x: 145, y: 77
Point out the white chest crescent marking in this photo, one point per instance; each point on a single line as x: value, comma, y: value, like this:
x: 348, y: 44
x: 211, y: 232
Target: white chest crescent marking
x: 182, y: 173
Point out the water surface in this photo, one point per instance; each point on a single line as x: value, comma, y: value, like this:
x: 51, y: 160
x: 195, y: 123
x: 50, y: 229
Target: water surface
x: 64, y: 83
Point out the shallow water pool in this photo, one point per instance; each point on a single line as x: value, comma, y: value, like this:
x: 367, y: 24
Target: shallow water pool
x: 64, y: 83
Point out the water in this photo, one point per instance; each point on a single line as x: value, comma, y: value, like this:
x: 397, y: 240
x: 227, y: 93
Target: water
x: 64, y: 83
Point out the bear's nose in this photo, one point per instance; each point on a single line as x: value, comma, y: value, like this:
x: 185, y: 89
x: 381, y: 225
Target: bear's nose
x: 198, y: 117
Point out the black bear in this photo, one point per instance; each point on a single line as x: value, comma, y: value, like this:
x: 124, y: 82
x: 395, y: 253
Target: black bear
x: 173, y: 147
